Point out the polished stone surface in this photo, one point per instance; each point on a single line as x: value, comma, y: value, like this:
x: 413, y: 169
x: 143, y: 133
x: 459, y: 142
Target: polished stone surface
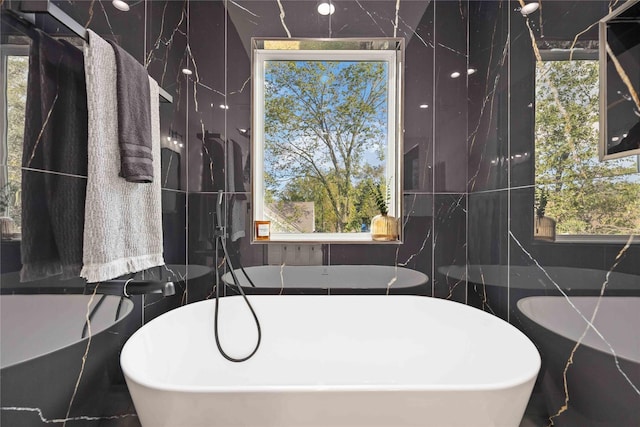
x: 467, y: 198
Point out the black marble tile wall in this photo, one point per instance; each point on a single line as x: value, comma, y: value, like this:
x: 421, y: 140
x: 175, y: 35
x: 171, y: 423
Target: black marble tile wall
x: 468, y: 154
x: 449, y: 245
x: 450, y: 89
x: 488, y: 252
x: 506, y: 263
x: 488, y: 95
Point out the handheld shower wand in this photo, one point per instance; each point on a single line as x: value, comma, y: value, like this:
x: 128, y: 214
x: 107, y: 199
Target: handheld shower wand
x: 221, y: 234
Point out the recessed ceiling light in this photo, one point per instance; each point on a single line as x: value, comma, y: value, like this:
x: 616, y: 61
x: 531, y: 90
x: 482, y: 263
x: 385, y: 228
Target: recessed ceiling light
x: 120, y: 5
x: 187, y: 72
x: 181, y: 145
x: 423, y: 106
x: 529, y: 8
x: 455, y: 75
x: 615, y: 138
x: 471, y: 71
x: 326, y: 8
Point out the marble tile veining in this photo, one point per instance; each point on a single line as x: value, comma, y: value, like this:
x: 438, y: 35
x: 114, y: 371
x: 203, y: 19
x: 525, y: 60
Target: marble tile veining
x: 468, y: 205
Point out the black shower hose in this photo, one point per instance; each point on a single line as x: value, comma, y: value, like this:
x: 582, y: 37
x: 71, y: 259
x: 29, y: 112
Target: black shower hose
x: 236, y: 283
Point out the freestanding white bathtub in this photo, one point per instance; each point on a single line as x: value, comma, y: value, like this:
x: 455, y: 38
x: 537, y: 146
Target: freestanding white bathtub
x: 331, y: 361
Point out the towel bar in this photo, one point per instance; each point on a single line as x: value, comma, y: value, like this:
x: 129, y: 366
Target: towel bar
x: 128, y: 287
x: 46, y: 6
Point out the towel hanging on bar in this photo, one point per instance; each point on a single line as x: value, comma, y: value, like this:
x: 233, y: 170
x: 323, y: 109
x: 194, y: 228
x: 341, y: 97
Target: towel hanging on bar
x: 123, y: 220
x: 134, y: 117
x: 55, y: 140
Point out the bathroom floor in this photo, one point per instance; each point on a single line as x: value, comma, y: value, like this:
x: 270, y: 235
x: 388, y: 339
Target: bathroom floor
x: 119, y: 402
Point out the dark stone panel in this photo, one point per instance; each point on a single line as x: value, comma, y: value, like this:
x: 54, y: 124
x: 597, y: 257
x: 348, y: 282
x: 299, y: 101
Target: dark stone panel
x: 450, y: 97
x: 488, y: 228
x: 563, y: 20
x: 417, y: 250
x: 171, y: 168
x: 488, y: 242
x: 488, y: 95
x: 419, y: 107
x: 355, y: 254
x: 10, y: 256
x: 365, y: 18
x: 174, y: 226
x: 165, y: 58
x: 202, y: 224
x: 449, y: 245
x: 206, y: 90
x: 522, y: 94
x: 166, y: 43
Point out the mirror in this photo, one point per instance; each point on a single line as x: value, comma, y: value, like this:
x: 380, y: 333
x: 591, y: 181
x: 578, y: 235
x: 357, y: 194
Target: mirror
x: 620, y: 82
x: 326, y: 136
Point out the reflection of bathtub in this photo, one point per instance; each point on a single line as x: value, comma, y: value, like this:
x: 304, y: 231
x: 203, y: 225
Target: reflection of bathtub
x: 365, y: 360
x: 489, y: 283
x: 331, y: 279
x: 177, y: 273
x: 42, y: 351
x: 599, y: 395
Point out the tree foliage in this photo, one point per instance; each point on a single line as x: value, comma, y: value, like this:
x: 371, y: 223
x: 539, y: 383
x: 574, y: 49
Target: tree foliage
x: 585, y: 196
x: 16, y: 86
x: 325, y: 136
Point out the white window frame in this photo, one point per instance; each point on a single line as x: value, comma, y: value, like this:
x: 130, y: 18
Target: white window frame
x: 6, y: 51
x: 564, y: 55
x: 393, y: 159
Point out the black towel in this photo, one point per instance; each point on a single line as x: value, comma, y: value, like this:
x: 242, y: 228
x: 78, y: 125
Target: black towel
x: 134, y: 118
x: 55, y: 140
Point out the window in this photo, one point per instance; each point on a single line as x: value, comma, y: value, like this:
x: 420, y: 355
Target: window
x: 326, y: 121
x: 586, y: 197
x: 15, y: 70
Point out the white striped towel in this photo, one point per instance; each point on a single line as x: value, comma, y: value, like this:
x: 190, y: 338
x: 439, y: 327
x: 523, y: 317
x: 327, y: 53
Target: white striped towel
x: 123, y: 220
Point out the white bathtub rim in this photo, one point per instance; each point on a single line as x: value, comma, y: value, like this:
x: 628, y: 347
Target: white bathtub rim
x: 331, y: 389
x: 570, y: 338
x: 515, y: 381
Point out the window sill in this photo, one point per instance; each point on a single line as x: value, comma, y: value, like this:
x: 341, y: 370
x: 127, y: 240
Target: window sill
x: 592, y: 239
x: 357, y: 238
